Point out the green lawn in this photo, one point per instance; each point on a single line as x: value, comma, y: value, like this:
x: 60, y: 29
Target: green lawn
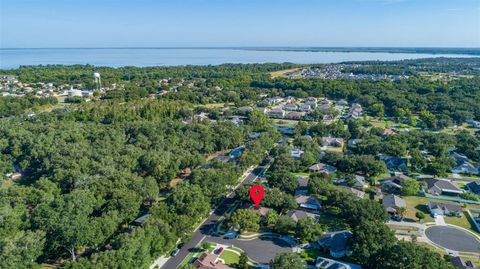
x: 229, y: 257
x: 282, y: 122
x: 464, y: 221
x: 333, y: 222
x: 312, y: 254
x: 301, y: 174
x: 418, y: 203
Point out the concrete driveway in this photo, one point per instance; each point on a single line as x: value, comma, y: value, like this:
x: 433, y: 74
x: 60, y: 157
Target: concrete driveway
x: 439, y: 220
x: 261, y: 249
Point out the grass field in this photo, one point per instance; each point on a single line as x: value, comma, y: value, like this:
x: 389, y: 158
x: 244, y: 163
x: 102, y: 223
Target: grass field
x: 282, y: 73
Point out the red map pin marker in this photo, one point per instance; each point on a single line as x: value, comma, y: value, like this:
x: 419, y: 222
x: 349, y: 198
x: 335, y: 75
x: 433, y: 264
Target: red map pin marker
x: 256, y: 193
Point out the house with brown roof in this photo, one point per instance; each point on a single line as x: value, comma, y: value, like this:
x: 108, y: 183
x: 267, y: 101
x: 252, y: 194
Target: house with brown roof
x: 209, y: 261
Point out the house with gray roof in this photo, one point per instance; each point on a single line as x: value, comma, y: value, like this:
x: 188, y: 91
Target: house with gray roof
x: 302, y: 185
x: 442, y: 186
x: 322, y: 168
x: 393, y: 203
x: 308, y: 202
x: 461, y: 263
x: 474, y: 187
x: 360, y: 194
x: 337, y: 243
x: 444, y: 209
x: 297, y: 215
x: 332, y: 141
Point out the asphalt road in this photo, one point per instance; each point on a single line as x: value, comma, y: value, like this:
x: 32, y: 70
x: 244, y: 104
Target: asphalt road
x: 453, y: 239
x: 207, y: 226
x: 262, y: 249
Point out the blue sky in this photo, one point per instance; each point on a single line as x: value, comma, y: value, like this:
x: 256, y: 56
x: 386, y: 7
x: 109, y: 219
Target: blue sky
x: 164, y: 23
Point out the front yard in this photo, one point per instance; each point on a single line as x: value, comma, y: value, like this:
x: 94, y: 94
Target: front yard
x: 418, y: 203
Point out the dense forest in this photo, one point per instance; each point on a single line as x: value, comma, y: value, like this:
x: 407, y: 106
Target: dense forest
x: 88, y: 173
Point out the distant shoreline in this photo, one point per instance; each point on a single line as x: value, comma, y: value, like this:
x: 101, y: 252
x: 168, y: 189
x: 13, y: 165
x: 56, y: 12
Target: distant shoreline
x: 419, y: 50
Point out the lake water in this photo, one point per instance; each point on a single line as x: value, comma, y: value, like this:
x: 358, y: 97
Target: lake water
x: 13, y: 58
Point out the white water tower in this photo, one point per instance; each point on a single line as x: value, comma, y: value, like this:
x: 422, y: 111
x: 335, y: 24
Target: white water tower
x: 97, y: 80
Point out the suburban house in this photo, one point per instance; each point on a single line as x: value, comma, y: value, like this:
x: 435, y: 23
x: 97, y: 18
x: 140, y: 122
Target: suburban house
x: 336, y: 243
x: 442, y: 186
x: 332, y: 142
x: 297, y: 215
x: 262, y: 211
x: 322, y: 168
x: 302, y: 185
x: 296, y: 153
x: 461, y: 263
x: 341, y: 102
x: 355, y: 112
x: 474, y: 187
x: 263, y: 110
x: 274, y: 100
x: 324, y: 107
x: 393, y: 203
x: 394, y: 163
x: 290, y: 107
x: 325, y: 263
x: 327, y: 119
x: 305, y: 108
x: 393, y: 184
x: 444, y: 209
x: 360, y: 194
x: 312, y: 102
x: 463, y: 164
x: 276, y: 112
x: 308, y: 202
x: 209, y: 261
x: 294, y: 115
x: 357, y: 182
x: 388, y: 132
x: 354, y: 142
x: 465, y: 168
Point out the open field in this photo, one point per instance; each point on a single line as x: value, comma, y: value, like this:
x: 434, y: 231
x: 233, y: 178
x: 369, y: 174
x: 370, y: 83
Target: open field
x: 282, y: 73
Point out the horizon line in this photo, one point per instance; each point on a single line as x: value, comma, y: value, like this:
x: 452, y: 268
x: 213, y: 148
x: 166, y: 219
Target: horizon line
x: 249, y: 47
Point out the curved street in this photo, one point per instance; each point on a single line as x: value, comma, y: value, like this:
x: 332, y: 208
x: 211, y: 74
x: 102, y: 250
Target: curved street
x: 261, y: 249
x: 453, y: 238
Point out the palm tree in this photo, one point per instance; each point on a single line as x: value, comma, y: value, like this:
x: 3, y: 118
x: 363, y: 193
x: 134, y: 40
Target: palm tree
x: 401, y: 211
